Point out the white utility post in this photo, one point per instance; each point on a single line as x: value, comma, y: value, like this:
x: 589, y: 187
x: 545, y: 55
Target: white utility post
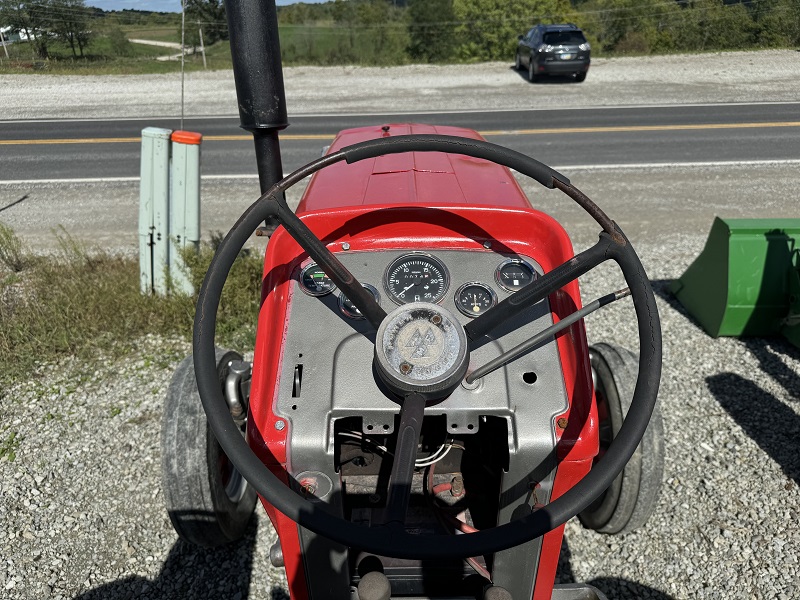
x: 169, y: 208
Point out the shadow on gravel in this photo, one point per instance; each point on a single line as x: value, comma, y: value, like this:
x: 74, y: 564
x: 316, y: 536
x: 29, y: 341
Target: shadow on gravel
x: 544, y: 79
x: 768, y: 352
x: 7, y: 206
x: 769, y: 422
x: 192, y: 572
x: 614, y: 588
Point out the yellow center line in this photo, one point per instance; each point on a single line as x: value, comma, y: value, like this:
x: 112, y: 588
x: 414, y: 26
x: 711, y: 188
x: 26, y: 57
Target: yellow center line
x: 543, y: 131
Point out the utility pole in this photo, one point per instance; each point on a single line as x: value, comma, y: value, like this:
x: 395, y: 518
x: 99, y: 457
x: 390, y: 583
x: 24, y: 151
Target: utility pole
x: 183, y: 57
x: 5, y: 48
x: 202, y: 45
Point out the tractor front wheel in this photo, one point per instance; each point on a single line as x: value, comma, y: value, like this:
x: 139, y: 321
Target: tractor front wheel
x: 633, y: 495
x: 208, y: 500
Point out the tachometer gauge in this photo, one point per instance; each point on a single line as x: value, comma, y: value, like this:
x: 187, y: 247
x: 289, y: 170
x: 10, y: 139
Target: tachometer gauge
x: 474, y: 299
x: 514, y: 273
x: 349, y: 309
x: 416, y: 278
x: 314, y: 281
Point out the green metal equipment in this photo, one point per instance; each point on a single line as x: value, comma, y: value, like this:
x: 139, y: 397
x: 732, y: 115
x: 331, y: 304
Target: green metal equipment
x: 746, y: 281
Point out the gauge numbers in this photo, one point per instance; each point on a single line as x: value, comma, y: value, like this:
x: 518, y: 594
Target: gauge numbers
x: 514, y: 274
x: 314, y: 281
x: 349, y: 309
x: 474, y: 299
x: 416, y: 278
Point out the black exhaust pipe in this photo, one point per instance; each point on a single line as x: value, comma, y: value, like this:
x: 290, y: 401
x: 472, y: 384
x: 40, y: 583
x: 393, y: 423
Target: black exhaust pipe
x: 256, y: 54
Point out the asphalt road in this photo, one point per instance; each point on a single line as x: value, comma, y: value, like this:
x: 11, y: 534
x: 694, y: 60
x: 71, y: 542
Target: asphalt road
x: 746, y: 133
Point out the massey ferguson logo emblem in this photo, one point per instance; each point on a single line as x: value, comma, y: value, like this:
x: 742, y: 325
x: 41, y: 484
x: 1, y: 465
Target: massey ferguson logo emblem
x: 421, y: 343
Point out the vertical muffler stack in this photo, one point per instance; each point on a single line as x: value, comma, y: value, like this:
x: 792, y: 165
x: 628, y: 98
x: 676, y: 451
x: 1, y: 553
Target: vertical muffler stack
x: 169, y: 208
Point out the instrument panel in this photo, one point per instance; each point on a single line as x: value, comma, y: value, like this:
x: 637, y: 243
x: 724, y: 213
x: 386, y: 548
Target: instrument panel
x: 425, y: 277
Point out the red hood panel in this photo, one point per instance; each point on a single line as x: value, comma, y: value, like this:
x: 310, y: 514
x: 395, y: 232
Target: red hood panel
x: 412, y: 177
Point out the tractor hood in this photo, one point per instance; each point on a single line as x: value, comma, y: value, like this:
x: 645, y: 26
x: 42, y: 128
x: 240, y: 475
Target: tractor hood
x: 411, y: 178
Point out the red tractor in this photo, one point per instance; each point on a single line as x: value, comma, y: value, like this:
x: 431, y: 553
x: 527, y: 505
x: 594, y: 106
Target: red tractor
x: 423, y: 412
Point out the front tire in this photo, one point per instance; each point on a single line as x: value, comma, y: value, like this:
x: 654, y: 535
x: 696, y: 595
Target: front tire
x: 630, y: 500
x: 579, y: 77
x: 208, y: 501
x: 517, y: 62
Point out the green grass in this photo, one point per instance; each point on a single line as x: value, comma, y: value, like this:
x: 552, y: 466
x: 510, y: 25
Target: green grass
x: 83, y: 302
x: 158, y: 34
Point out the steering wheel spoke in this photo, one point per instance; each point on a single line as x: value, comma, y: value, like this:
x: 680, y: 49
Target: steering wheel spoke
x: 542, y: 287
x: 339, y: 274
x: 405, y: 453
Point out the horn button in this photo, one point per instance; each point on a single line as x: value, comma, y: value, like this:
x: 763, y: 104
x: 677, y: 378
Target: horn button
x: 421, y: 348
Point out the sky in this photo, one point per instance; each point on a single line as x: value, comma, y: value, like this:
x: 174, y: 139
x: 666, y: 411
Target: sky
x: 159, y: 5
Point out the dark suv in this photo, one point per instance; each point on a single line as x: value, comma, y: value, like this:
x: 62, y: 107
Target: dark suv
x: 553, y: 50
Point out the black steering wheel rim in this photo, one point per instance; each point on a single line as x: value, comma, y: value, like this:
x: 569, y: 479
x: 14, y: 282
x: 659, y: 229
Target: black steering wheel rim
x: 394, y: 541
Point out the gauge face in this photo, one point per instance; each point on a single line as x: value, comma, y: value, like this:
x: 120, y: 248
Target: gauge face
x: 314, y: 281
x: 474, y: 299
x: 514, y: 273
x: 416, y: 278
x: 349, y: 309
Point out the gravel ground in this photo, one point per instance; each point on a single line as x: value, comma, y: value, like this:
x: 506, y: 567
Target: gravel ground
x: 722, y: 77
x: 82, y: 512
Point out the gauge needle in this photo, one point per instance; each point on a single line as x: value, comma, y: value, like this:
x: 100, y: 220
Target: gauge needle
x: 407, y: 288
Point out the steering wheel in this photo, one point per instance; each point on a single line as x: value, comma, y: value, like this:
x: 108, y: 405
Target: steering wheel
x: 390, y: 538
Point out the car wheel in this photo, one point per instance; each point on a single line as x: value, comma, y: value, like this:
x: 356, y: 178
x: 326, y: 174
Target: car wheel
x: 580, y: 77
x: 517, y: 63
x: 633, y: 495
x: 209, y: 502
x: 532, y: 76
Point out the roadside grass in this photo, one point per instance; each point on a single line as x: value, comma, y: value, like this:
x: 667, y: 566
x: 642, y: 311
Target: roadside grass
x: 81, y: 301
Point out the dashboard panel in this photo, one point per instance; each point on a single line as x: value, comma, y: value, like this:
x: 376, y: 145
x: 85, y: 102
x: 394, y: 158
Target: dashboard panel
x: 425, y: 277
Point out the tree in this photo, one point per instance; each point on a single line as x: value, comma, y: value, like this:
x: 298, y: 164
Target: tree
x: 210, y: 15
x: 488, y: 29
x: 431, y: 30
x: 70, y: 21
x: 30, y: 18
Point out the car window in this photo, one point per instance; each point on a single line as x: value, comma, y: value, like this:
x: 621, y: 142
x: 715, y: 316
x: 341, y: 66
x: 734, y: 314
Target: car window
x: 564, y: 37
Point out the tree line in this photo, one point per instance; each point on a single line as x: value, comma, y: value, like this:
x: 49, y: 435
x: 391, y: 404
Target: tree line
x: 441, y: 31
x: 388, y: 32
x: 71, y: 23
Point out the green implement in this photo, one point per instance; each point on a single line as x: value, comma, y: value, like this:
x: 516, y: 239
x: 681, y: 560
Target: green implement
x: 746, y: 281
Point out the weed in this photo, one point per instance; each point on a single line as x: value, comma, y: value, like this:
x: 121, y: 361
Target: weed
x: 12, y: 253
x: 86, y: 302
x: 9, y: 446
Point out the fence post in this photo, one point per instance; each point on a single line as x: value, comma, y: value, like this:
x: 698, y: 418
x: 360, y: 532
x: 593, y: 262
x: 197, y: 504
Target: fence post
x: 184, y: 225
x: 153, y: 210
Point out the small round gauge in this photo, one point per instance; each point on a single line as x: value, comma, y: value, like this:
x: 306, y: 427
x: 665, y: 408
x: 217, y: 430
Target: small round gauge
x: 474, y: 299
x: 514, y: 274
x: 314, y: 281
x: 416, y: 278
x: 349, y: 309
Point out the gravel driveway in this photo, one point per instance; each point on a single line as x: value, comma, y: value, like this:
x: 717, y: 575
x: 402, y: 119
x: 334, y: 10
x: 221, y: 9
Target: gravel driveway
x: 82, y: 511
